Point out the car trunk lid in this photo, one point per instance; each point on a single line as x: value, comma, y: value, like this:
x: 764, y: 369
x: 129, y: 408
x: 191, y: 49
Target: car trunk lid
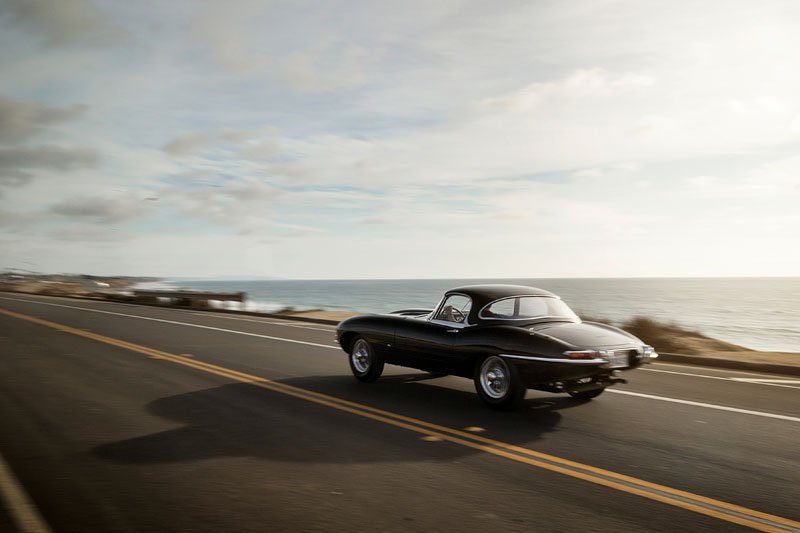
x: 584, y: 335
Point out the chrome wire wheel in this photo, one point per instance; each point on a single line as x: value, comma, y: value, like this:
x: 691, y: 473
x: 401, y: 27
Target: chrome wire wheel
x: 495, y: 377
x: 365, y: 363
x: 360, y: 357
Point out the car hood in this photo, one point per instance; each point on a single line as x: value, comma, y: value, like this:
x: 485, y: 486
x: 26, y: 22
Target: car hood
x: 585, y: 334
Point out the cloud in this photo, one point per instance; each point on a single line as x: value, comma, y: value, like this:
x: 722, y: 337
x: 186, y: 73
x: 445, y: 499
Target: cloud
x: 14, y: 178
x: 325, y: 67
x: 261, y: 150
x: 497, y: 127
x: 16, y: 221
x: 17, y: 164
x: 794, y: 126
x: 187, y: 144
x: 370, y: 221
x: 65, y: 21
x: 23, y: 119
x: 560, y: 124
x: 262, y: 144
x: 228, y: 34
x: 579, y: 84
x: 243, y: 205
x: 99, y: 209
x: 588, y: 118
x: 589, y: 173
x: 88, y: 234
x: 236, y: 136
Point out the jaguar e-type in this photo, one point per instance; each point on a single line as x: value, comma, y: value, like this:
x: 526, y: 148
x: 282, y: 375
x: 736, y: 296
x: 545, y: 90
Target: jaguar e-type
x: 507, y: 338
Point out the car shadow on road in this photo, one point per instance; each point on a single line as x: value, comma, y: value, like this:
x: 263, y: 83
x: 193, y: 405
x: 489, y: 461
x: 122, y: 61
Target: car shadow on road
x: 242, y: 420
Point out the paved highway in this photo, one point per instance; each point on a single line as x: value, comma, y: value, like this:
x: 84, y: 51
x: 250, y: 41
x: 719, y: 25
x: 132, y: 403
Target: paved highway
x: 125, y: 418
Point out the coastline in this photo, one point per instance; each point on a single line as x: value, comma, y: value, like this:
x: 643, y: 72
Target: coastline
x: 674, y: 344
x: 765, y: 319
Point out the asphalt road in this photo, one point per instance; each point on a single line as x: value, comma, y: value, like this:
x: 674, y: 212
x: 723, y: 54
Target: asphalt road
x: 116, y: 417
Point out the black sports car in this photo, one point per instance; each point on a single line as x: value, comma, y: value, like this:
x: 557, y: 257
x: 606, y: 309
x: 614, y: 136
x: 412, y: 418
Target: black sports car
x: 507, y: 338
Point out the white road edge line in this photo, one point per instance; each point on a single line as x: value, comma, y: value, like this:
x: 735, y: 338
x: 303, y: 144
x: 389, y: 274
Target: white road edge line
x: 295, y: 341
x: 660, y: 363
x: 23, y: 512
x: 264, y: 320
x: 685, y: 374
x: 770, y: 381
x: 707, y: 405
x: 754, y: 381
x: 268, y: 321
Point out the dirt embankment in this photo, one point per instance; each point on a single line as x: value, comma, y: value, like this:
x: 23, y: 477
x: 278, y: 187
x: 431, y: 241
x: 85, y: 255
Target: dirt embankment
x: 49, y: 288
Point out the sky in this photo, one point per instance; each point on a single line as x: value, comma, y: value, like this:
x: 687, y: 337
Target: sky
x: 413, y: 139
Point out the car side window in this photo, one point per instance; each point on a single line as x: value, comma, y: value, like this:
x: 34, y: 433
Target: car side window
x: 501, y: 309
x: 455, y: 309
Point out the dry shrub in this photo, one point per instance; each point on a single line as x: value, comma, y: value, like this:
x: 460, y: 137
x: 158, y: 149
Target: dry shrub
x: 671, y: 338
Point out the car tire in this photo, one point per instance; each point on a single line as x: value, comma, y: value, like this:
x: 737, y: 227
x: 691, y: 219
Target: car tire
x: 587, y: 394
x: 498, y: 383
x: 366, y: 365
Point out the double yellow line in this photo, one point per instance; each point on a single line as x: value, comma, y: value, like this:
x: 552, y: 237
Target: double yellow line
x: 678, y: 498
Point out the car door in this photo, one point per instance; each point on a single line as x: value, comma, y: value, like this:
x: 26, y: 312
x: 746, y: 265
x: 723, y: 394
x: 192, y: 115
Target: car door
x: 428, y: 344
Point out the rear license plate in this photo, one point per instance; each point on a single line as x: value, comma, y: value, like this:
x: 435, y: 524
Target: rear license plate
x: 619, y: 360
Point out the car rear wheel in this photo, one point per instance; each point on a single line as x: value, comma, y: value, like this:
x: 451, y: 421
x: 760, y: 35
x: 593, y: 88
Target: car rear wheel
x: 498, y: 383
x: 366, y: 365
x: 587, y: 394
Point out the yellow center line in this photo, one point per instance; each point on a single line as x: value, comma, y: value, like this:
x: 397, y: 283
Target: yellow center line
x: 631, y: 485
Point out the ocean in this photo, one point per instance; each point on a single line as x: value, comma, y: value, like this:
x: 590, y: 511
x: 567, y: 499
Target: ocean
x: 759, y: 313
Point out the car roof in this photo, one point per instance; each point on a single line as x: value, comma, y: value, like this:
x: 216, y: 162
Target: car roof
x: 484, y: 294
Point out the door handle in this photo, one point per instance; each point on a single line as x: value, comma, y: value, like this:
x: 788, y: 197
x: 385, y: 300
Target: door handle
x: 453, y: 330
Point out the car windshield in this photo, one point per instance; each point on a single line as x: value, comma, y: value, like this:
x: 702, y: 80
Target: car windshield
x: 527, y: 307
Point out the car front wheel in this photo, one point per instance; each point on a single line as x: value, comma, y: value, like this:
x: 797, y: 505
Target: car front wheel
x: 366, y: 365
x: 498, y: 383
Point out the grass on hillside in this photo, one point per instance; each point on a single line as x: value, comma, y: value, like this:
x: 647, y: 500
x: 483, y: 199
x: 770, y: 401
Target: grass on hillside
x: 671, y: 338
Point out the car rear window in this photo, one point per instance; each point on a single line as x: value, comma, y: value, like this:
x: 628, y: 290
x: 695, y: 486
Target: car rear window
x: 526, y: 307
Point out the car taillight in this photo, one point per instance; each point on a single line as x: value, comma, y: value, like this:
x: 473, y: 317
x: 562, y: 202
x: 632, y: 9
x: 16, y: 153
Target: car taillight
x: 582, y: 354
x: 649, y: 352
